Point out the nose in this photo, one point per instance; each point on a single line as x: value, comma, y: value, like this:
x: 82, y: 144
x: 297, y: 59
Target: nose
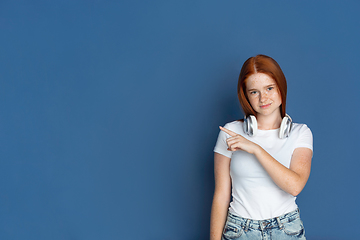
x: 263, y: 97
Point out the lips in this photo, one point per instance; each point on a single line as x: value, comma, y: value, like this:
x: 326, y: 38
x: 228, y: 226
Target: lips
x: 266, y: 105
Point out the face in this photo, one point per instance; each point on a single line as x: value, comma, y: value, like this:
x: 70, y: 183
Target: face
x: 263, y: 94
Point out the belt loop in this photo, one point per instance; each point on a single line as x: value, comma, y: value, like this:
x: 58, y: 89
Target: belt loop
x: 279, y: 223
x: 247, y: 225
x: 261, y: 225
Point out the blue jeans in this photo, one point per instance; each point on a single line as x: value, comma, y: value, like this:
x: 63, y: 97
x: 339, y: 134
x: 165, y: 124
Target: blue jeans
x: 288, y: 226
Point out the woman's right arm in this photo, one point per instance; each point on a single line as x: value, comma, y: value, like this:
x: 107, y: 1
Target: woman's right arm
x: 222, y: 196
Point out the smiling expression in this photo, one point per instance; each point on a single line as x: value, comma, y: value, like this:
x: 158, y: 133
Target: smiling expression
x: 263, y: 94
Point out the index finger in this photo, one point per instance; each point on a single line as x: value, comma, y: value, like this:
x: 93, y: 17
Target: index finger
x: 231, y: 133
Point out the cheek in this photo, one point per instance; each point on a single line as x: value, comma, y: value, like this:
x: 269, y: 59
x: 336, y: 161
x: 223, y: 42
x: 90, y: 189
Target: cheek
x: 276, y: 96
x: 253, y: 101
x: 278, y: 99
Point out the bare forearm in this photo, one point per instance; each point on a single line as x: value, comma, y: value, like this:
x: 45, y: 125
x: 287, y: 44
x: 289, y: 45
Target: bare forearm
x: 218, y: 216
x: 285, y: 178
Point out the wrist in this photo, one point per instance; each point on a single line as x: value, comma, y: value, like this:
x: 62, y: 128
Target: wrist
x: 257, y: 150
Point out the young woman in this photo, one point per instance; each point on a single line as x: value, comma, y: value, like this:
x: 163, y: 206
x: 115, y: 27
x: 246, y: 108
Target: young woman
x: 261, y: 163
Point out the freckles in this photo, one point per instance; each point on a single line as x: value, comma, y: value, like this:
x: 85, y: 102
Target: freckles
x: 272, y: 94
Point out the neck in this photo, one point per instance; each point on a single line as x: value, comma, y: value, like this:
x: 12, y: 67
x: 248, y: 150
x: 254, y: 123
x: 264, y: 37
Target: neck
x: 268, y: 122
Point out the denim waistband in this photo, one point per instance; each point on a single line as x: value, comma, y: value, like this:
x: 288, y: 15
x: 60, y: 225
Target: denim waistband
x: 276, y: 222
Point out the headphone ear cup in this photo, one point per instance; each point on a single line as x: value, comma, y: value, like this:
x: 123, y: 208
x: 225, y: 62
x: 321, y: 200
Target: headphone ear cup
x: 285, y: 127
x: 246, y: 125
x: 253, y: 126
x: 250, y: 125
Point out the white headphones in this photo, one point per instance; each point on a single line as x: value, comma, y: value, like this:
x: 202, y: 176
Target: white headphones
x: 251, y: 127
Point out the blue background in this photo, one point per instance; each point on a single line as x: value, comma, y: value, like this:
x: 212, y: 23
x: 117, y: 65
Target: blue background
x: 110, y: 111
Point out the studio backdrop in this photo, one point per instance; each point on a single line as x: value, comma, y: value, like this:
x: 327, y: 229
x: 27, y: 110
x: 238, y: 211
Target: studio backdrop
x: 110, y: 111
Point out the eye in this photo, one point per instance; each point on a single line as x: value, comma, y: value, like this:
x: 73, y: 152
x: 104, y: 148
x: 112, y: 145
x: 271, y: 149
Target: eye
x: 270, y: 88
x: 253, y: 92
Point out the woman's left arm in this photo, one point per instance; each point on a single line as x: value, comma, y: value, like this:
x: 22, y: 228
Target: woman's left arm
x: 292, y: 180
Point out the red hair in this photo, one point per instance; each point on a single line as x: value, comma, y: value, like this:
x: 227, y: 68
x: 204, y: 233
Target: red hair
x: 268, y: 66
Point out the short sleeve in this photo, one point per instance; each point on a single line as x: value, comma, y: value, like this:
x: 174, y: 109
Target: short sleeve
x: 221, y: 145
x: 305, y: 138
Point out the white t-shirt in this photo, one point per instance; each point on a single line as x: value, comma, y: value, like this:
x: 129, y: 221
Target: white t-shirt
x: 254, y: 194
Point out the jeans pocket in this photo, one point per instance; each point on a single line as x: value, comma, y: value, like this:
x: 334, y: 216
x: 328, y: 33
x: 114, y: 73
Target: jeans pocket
x: 232, y: 231
x: 294, y: 227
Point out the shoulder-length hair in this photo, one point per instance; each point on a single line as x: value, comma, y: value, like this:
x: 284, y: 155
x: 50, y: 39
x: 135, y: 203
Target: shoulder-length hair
x: 261, y: 64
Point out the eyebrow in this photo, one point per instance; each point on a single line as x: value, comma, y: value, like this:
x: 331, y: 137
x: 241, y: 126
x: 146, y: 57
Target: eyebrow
x: 271, y: 85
